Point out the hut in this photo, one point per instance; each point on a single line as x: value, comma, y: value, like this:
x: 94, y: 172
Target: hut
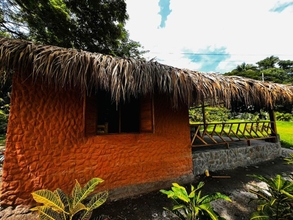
x: 79, y: 115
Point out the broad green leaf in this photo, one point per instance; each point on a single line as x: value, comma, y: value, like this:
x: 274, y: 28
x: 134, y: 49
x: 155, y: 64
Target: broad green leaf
x: 208, y: 209
x: 86, y: 216
x: 48, y: 198
x: 97, y: 200
x: 181, y: 206
x: 278, y: 182
x: 192, y: 194
x: 46, y: 213
x: 199, y: 186
x: 78, y: 207
x: 86, y: 190
x: 63, y: 198
x: 287, y: 194
x: 216, y: 196
x: 169, y: 193
x: 76, y: 191
x: 259, y: 216
x: 181, y: 193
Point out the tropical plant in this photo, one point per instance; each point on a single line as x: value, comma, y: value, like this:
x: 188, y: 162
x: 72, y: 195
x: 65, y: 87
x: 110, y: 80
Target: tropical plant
x: 289, y: 160
x: 59, y: 206
x: 192, y: 206
x: 276, y: 202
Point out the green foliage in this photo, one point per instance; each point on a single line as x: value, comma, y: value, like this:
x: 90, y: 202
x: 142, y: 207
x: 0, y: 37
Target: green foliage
x: 59, y: 206
x: 270, y: 69
x: 277, y: 201
x: 192, y: 205
x: 211, y: 113
x: 96, y: 26
x: 289, y: 160
x: 283, y: 116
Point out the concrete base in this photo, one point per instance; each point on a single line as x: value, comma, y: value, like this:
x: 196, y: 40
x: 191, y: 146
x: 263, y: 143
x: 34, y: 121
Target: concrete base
x: 238, y: 155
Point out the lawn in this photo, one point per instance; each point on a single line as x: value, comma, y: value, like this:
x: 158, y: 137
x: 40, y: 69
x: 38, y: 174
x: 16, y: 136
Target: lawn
x: 285, y: 130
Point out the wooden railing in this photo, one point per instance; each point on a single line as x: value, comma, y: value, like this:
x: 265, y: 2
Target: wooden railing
x: 225, y: 133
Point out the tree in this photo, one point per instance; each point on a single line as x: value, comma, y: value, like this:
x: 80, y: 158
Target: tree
x: 245, y: 67
x: 269, y: 62
x: 92, y: 25
x: 245, y: 70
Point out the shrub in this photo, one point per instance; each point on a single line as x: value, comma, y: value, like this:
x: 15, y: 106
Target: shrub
x: 59, y: 206
x: 277, y: 201
x: 211, y: 114
x: 192, y: 206
x: 284, y: 116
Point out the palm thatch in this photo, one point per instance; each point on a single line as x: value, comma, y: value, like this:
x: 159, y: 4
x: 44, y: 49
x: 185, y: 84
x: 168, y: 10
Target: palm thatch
x: 70, y: 68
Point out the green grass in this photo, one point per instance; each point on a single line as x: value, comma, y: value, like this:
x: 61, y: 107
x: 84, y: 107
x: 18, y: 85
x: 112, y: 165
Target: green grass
x: 285, y: 130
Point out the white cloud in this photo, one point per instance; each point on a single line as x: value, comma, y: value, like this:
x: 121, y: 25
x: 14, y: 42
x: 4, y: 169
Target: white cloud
x: 248, y: 29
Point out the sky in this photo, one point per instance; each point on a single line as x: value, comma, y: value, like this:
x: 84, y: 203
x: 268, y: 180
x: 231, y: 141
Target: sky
x: 212, y: 35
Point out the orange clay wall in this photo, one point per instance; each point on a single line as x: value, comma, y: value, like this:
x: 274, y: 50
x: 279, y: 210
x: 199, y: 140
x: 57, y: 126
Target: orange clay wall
x: 46, y: 146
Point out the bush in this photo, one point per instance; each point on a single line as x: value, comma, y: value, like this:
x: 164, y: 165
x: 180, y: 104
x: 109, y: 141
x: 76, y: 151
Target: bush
x: 211, y: 113
x: 283, y: 116
x: 277, y: 201
x: 192, y: 205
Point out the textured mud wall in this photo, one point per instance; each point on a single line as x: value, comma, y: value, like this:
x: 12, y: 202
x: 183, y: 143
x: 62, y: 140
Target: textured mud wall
x: 46, y: 146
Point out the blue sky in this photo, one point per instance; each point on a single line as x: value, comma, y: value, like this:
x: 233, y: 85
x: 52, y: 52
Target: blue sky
x: 212, y: 35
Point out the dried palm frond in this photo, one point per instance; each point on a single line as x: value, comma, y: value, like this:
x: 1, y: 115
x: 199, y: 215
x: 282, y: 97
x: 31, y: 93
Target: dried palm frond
x: 71, y: 68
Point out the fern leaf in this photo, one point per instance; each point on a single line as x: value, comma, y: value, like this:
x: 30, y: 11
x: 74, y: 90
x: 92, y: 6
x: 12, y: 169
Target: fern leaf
x: 86, y: 190
x: 48, y: 198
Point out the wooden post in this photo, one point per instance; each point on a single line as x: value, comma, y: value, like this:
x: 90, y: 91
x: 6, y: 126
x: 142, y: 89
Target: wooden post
x: 273, y: 122
x: 203, y: 112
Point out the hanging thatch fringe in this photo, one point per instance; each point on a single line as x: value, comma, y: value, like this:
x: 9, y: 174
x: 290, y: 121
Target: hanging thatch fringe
x: 68, y: 68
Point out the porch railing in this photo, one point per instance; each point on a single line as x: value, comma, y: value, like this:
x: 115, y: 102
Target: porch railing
x: 225, y: 133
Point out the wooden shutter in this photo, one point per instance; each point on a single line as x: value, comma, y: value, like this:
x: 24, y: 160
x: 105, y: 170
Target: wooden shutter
x: 90, y: 115
x: 146, y: 114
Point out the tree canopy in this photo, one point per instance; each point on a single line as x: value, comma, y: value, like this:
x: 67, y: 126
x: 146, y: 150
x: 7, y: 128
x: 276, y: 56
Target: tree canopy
x: 270, y: 69
x: 92, y: 25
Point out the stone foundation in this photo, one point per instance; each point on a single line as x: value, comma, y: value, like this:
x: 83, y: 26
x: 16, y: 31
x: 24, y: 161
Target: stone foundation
x: 238, y: 155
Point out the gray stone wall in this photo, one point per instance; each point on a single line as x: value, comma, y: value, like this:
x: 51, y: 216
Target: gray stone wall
x: 238, y: 155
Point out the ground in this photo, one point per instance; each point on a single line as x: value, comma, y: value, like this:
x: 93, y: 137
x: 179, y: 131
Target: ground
x: 150, y: 206
x: 233, y: 183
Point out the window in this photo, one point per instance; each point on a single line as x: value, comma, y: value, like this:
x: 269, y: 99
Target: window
x: 103, y: 116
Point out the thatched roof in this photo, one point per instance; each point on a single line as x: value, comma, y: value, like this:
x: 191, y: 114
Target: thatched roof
x: 69, y: 68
